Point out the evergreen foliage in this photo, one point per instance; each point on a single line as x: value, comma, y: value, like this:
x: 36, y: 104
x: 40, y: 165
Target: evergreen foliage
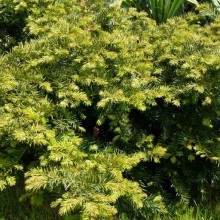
x: 109, y: 112
x: 12, y: 22
x: 160, y: 10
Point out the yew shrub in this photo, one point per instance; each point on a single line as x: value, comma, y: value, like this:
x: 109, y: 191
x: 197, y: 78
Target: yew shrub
x: 110, y: 113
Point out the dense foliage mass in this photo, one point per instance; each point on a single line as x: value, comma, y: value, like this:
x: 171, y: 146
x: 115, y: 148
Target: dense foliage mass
x: 160, y: 10
x: 109, y: 113
x: 12, y: 22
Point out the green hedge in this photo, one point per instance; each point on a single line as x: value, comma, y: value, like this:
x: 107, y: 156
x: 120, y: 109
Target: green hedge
x: 109, y: 112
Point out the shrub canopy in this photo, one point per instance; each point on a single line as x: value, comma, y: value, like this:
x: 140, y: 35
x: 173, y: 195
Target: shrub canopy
x: 108, y: 111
